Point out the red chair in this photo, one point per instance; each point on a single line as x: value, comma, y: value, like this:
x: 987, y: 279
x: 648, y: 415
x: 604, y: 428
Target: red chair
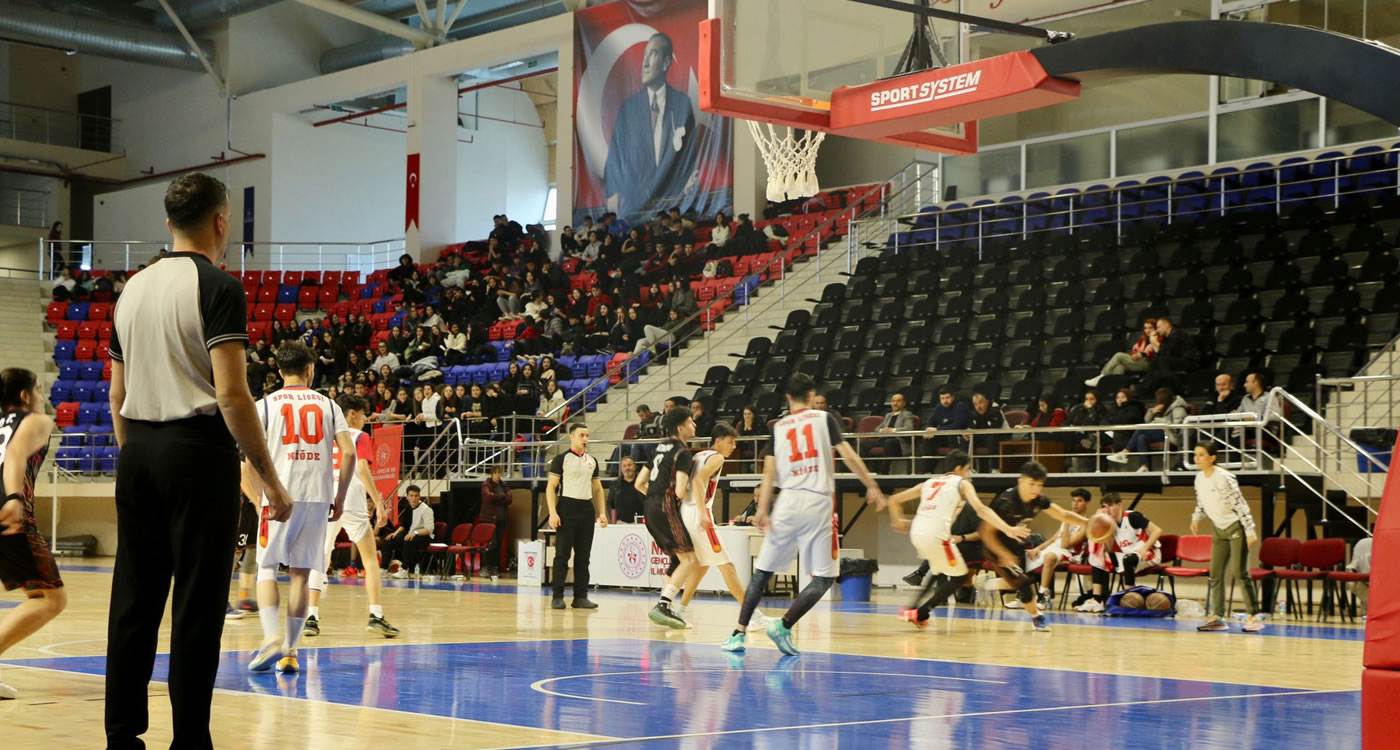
x: 100, y: 311
x: 86, y: 351
x: 104, y: 330
x: 458, y: 549
x: 1315, y: 558
x: 292, y: 278
x: 1074, y: 572
x: 104, y: 351
x: 87, y: 330
x: 262, y: 312
x: 308, y: 298
x: 67, y: 331
x: 480, y: 541
x: 332, y: 278
x: 107, y: 370
x: 1339, y: 579
x: 1190, y: 549
x: 1168, y: 543
x: 272, y: 279
x: 1279, y: 553
x: 285, y: 313
x: 66, y: 414
x: 56, y: 313
x: 267, y: 295
x: 328, y: 296
x: 437, y: 551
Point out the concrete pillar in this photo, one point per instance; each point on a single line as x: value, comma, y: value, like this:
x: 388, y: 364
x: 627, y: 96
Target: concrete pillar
x: 432, y: 164
x: 564, y: 140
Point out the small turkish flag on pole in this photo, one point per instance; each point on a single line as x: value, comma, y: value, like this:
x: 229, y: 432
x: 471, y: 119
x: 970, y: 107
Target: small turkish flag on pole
x: 411, y: 196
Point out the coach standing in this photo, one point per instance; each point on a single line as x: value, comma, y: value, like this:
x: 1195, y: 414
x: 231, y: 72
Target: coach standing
x: 575, y: 498
x: 181, y: 410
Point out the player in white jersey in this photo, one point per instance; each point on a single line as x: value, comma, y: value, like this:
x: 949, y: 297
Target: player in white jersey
x: 698, y: 514
x: 940, y: 500
x: 300, y: 425
x: 1068, y: 545
x: 356, y: 520
x: 803, y: 466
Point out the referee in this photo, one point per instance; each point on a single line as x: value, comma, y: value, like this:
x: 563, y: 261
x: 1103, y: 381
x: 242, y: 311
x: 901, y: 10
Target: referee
x: 180, y: 410
x: 573, y: 514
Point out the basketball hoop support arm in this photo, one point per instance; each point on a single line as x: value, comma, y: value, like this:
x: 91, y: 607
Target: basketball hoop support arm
x: 1005, y: 27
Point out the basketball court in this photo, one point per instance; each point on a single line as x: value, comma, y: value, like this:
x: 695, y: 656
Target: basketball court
x: 482, y: 666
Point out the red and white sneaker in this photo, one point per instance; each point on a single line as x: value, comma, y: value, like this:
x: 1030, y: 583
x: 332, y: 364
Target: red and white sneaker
x: 911, y: 616
x: 350, y: 573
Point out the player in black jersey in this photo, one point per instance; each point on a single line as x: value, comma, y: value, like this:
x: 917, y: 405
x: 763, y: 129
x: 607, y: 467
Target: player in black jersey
x: 1008, y: 555
x: 25, y: 561
x: 665, y: 483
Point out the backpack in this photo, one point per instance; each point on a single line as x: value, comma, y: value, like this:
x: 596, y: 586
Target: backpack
x: 724, y: 268
x: 1114, y: 608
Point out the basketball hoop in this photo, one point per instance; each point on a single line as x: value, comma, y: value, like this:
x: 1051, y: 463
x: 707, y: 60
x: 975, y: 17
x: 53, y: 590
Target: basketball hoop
x: 791, y: 161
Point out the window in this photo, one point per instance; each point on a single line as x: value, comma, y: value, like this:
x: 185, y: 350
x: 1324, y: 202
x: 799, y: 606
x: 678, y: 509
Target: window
x: 551, y: 206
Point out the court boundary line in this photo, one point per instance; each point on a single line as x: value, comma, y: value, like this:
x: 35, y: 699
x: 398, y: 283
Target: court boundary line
x: 972, y: 714
x: 602, y: 739
x: 537, y: 684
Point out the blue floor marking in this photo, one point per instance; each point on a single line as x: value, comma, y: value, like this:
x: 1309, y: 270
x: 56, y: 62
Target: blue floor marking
x: 653, y: 690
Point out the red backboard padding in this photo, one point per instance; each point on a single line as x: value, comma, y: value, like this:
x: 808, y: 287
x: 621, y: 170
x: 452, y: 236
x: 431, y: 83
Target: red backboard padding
x: 1380, y: 682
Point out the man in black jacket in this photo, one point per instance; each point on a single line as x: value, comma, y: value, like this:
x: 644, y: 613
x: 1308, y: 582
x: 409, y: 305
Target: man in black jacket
x: 1175, y: 356
x: 985, y: 416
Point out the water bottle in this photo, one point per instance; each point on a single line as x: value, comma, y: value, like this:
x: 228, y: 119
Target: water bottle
x: 1280, y: 611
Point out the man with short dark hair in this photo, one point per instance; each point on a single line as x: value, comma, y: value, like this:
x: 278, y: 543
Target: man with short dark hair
x: 951, y: 414
x: 898, y: 419
x: 704, y: 423
x: 1174, y: 354
x: 625, y: 503
x: 985, y: 416
x: 575, y: 497
x: 1132, y: 547
x: 671, y: 470
x: 648, y: 428
x: 181, y: 410
x: 406, y: 547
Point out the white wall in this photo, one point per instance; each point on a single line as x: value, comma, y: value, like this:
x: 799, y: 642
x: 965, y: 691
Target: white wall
x: 502, y: 161
x: 339, y: 183
x: 283, y: 43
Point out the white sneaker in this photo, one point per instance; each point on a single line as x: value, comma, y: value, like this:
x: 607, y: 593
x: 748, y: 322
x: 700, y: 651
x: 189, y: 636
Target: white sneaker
x: 759, y: 622
x: 1094, y: 381
x: 1012, y: 603
x: 1093, y: 606
x: 1143, y: 469
x: 399, y: 574
x: 1121, y: 457
x: 7, y: 693
x: 680, y: 614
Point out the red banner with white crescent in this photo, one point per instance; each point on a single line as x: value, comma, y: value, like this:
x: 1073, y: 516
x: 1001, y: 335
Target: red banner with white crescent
x: 411, y: 193
x: 641, y: 142
x: 388, y: 445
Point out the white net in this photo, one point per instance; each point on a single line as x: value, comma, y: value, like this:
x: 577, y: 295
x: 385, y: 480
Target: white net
x: 791, y: 160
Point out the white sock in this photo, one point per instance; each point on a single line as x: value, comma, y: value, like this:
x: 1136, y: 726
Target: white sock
x: 668, y: 592
x: 678, y: 609
x: 271, y: 622
x: 313, y: 612
x: 376, y: 610
x: 294, y: 626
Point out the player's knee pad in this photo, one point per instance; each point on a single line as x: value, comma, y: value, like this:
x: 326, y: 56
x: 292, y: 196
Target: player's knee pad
x: 317, y: 580
x: 1026, y: 591
x: 267, y: 574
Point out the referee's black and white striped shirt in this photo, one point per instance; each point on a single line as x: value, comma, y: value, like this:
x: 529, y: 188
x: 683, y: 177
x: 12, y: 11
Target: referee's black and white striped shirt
x: 576, y: 472
x: 168, y: 318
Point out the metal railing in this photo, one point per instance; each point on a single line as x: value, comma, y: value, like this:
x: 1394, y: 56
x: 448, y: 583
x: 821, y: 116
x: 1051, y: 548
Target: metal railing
x: 23, y: 207
x: 22, y: 122
x: 129, y: 255
x: 1190, y: 195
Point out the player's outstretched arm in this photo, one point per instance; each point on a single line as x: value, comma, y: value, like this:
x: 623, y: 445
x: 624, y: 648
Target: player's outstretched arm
x: 897, y: 502
x: 990, y: 518
x: 32, y: 435
x: 236, y: 404
x: 1066, y: 516
x: 857, y: 466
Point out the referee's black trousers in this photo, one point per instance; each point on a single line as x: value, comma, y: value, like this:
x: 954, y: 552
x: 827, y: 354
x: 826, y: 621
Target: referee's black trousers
x: 177, y: 516
x: 574, y: 537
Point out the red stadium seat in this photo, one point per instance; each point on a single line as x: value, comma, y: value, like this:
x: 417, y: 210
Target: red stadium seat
x: 457, y: 550
x: 272, y: 278
x: 87, y: 330
x: 292, y: 278
x: 86, y: 351
x: 331, y: 277
x: 67, y: 330
x: 263, y: 311
x: 104, y: 350
x: 107, y: 370
x: 1315, y: 558
x: 307, y: 298
x: 267, y: 295
x: 66, y: 414
x: 328, y: 296
x: 100, y: 311
x: 285, y: 313
x: 56, y: 313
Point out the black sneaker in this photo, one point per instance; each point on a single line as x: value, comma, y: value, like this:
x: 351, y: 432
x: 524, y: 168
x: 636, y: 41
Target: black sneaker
x: 312, y: 627
x: 585, y: 604
x: 381, y: 626
x: 1079, y: 601
x: 662, y: 615
x: 914, y: 579
x: 557, y: 603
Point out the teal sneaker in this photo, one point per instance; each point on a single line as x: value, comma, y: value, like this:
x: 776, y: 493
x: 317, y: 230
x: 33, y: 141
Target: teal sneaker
x: 734, y: 643
x: 782, y: 637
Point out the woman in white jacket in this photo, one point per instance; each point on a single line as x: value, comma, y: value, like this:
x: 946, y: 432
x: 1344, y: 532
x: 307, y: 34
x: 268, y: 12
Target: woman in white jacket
x: 1169, y: 409
x: 1218, y: 498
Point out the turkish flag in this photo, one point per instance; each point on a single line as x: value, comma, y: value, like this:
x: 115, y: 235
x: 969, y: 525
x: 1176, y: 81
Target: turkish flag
x: 411, y: 197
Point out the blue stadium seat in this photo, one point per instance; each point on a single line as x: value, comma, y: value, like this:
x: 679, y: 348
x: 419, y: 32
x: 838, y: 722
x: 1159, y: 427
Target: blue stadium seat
x: 63, y: 351
x: 82, y: 391
x: 287, y: 295
x: 102, y: 391
x: 101, y: 437
x: 398, y: 319
x: 105, y: 459
x: 73, y: 437
x: 61, y: 391
x: 87, y: 414
x: 78, y: 311
x: 380, y: 305
x: 90, y: 371
x: 67, y: 370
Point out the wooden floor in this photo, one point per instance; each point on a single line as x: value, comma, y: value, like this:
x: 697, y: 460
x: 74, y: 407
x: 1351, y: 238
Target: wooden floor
x: 481, y: 666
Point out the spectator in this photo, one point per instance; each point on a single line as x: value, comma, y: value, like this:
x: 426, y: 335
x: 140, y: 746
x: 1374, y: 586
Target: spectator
x: 1124, y: 410
x: 683, y: 302
x: 472, y: 409
x: 648, y: 428
x: 950, y: 414
x: 819, y: 403
x: 1047, y: 413
x: 1169, y: 409
x: 898, y: 419
x: 403, y: 270
x: 1135, y: 360
x: 596, y: 299
x: 646, y: 336
x: 1255, y: 401
x: 527, y: 391
x: 66, y: 282
x: 1174, y: 354
x: 985, y: 416
x: 568, y: 243
x: 1227, y: 397
x: 624, y: 501
x: 719, y: 236
x: 454, y: 347
x: 551, y: 401
x: 704, y: 423
x: 430, y: 318
x: 330, y: 359
x: 495, y: 509
x: 753, y: 433
x: 1089, y: 413
x: 508, y: 301
x: 398, y: 342
x: 359, y: 332
x: 409, y: 542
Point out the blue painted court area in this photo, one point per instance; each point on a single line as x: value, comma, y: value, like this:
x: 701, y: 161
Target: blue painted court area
x: 662, y: 694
